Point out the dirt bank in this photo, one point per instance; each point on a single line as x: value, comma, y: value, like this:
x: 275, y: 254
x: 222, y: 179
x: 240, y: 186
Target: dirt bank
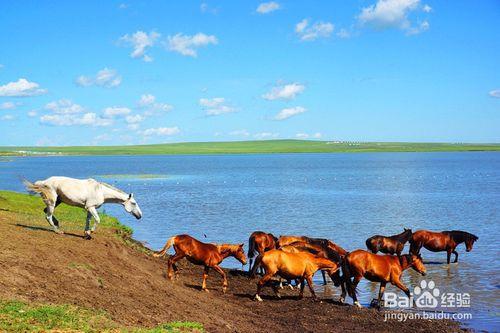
x: 109, y: 274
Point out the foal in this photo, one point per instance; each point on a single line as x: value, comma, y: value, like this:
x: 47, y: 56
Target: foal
x: 258, y: 243
x: 442, y: 241
x: 199, y: 253
x: 291, y: 266
x: 389, y: 245
x: 378, y: 268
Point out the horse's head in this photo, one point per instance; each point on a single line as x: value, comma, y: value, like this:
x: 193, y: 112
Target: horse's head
x: 415, y: 261
x: 469, y: 242
x: 132, y: 207
x: 239, y: 253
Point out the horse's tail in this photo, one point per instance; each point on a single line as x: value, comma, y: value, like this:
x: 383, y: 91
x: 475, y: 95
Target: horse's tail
x: 256, y: 265
x: 163, y: 251
x: 347, y: 278
x: 40, y: 188
x: 251, y: 247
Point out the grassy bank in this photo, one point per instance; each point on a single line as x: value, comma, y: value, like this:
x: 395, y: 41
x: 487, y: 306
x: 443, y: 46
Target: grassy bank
x: 21, y: 316
x: 251, y: 147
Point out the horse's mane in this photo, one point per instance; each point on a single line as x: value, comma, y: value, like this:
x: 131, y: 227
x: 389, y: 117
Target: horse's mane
x: 112, y: 187
x: 404, y: 236
x: 461, y: 236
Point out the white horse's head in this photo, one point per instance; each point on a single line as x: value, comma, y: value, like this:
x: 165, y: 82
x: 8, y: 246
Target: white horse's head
x: 132, y: 207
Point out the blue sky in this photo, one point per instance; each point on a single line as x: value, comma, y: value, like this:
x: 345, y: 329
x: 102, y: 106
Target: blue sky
x: 131, y: 72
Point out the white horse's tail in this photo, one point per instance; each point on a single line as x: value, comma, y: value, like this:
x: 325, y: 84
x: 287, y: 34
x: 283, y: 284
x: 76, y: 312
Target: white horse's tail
x: 42, y: 189
x: 163, y: 251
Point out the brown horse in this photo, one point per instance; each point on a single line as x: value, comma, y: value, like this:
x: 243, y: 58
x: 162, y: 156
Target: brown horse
x: 378, y: 268
x: 442, y: 241
x: 323, y: 252
x: 199, y: 253
x: 389, y: 245
x: 258, y: 243
x: 286, y: 240
x: 291, y: 266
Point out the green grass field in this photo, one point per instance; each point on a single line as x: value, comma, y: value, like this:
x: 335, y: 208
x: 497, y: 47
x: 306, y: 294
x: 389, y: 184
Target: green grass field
x: 251, y: 147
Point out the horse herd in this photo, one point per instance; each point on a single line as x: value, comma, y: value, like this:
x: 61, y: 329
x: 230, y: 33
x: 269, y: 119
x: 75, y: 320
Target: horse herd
x: 290, y: 257
x: 300, y: 257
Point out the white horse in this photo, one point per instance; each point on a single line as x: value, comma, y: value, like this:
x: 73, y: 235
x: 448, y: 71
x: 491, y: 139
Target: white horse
x: 85, y: 193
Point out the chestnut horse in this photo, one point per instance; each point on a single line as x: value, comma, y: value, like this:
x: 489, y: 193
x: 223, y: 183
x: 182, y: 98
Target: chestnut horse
x: 291, y: 266
x: 389, y: 245
x: 378, y: 268
x: 323, y: 252
x: 442, y: 241
x: 258, y: 243
x: 199, y: 253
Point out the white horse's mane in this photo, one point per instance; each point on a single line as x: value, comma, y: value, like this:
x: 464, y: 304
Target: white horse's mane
x: 112, y: 187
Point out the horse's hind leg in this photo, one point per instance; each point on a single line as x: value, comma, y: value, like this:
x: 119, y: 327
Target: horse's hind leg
x: 49, y: 216
x: 262, y: 282
x: 324, y: 278
x: 205, y: 275
x: 448, y: 256
x: 171, y: 264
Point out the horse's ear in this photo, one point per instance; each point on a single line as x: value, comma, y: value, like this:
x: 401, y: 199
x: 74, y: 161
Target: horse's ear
x: 241, y: 245
x: 130, y: 195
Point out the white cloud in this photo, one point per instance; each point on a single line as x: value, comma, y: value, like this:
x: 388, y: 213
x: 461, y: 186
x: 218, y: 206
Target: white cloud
x: 116, y: 111
x: 7, y: 117
x: 316, y: 135
x: 393, y: 14
x: 268, y: 7
x: 87, y: 119
x: 64, y: 106
x: 343, y: 33
x: 8, y: 105
x: 265, y: 135
x: 187, y: 45
x: 106, y: 77
x: 215, y: 106
x: 495, y: 93
x: 205, y: 8
x: 134, y: 119
x: 289, y: 112
x: 161, y: 131
x: 123, y: 6
x: 242, y: 132
x: 21, y: 88
x: 140, y: 42
x: 287, y: 92
x: 148, y: 102
x: 309, y: 33
x: 32, y: 114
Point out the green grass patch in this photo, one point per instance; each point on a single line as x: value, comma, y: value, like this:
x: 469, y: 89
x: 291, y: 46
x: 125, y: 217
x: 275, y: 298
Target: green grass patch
x: 16, y: 316
x: 252, y: 147
x: 71, y: 218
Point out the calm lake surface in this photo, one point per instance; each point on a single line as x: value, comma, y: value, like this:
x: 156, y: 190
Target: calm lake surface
x: 343, y: 197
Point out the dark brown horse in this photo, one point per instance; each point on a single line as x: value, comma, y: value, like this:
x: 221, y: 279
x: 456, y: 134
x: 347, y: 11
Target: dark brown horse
x: 442, y: 241
x: 199, y: 253
x: 389, y: 245
x: 258, y: 243
x: 378, y: 268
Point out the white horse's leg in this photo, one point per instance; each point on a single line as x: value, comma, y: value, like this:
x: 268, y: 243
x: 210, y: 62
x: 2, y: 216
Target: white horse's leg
x: 95, y: 215
x: 87, y: 223
x: 49, y: 212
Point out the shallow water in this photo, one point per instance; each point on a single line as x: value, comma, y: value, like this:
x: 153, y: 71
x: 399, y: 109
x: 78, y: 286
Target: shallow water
x: 344, y: 197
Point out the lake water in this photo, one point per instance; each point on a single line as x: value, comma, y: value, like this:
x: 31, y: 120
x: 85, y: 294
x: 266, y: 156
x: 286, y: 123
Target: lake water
x: 343, y: 197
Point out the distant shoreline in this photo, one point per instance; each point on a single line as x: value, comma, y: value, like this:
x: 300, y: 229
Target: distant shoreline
x: 250, y: 147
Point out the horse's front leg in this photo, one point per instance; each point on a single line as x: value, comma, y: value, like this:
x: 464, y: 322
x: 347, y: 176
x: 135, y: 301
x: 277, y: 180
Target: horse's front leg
x: 456, y: 255
x: 223, y: 274
x: 404, y: 288
x: 96, y: 217
x: 87, y: 226
x: 380, y: 294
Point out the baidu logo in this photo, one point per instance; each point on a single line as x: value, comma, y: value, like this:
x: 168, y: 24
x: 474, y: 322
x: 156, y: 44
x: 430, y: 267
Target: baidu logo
x: 426, y: 295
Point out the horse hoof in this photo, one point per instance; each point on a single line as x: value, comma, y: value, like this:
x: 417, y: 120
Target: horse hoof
x: 357, y: 304
x: 206, y: 290
x: 59, y: 232
x: 257, y: 298
x: 87, y: 237
x: 291, y: 287
x: 342, y: 300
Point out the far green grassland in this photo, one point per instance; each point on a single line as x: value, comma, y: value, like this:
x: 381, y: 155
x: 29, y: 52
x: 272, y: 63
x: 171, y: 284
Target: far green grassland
x: 251, y: 147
